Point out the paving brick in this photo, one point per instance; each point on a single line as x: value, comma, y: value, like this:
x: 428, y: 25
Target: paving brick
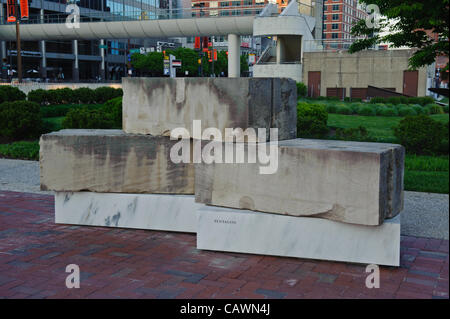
x: 123, y: 263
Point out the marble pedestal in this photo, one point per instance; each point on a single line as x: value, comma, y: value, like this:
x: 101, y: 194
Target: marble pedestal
x: 243, y: 231
x: 140, y: 211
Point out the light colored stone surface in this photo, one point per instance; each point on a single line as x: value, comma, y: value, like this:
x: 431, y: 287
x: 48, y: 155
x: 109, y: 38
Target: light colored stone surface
x: 111, y: 161
x: 244, y: 231
x: 359, y: 183
x: 141, y: 211
x: 158, y: 105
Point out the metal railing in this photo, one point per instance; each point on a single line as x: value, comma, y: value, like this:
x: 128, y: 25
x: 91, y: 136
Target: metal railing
x: 138, y: 15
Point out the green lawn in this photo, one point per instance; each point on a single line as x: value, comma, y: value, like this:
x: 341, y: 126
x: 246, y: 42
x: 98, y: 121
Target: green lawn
x: 379, y: 127
x: 427, y: 174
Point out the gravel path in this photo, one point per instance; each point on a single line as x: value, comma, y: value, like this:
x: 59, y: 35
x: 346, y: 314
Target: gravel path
x: 425, y: 214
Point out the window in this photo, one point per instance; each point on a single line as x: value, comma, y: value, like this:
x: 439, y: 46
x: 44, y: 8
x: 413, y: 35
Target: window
x: 224, y: 4
x: 335, y: 35
x: 334, y: 26
x: 248, y: 2
x: 335, y: 7
x: 335, y: 16
x: 235, y: 3
x: 324, y: 8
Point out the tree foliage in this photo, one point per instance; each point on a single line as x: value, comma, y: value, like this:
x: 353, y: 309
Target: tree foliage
x: 406, y: 22
x: 152, y: 63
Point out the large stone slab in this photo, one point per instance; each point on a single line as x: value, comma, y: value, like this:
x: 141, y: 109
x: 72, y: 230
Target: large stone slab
x: 157, y: 105
x: 352, y: 182
x: 243, y: 231
x: 111, y: 161
x: 140, y: 211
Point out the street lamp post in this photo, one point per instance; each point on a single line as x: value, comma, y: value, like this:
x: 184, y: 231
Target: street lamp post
x: 19, y: 51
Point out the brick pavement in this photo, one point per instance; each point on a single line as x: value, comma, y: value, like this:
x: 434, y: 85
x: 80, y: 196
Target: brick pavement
x: 120, y: 263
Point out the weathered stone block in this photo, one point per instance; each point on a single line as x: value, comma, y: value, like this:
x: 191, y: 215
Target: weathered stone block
x: 112, y: 161
x: 352, y: 182
x: 157, y: 105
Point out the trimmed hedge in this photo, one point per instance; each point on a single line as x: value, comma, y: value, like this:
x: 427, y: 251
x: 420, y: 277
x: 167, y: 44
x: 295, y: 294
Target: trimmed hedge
x: 302, y: 90
x: 78, y: 96
x: 22, y: 150
x: 10, y: 93
x: 421, y: 134
x: 311, y: 120
x: 20, y: 119
x: 107, y: 116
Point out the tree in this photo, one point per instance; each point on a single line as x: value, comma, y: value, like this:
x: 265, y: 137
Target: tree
x: 406, y: 22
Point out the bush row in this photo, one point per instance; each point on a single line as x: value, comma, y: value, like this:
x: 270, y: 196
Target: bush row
x: 423, y: 100
x: 380, y: 109
x: 78, y: 96
x: 10, y: 94
x: 63, y: 109
x: 107, y: 116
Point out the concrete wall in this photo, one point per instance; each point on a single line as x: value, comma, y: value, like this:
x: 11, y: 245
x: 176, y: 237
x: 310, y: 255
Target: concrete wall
x: 377, y: 68
x: 27, y: 87
x: 290, y: 70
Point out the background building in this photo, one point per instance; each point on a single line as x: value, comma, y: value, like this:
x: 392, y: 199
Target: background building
x: 338, y: 19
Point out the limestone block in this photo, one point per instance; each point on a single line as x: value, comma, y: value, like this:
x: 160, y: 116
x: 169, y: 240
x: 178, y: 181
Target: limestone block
x: 157, y: 105
x: 141, y: 211
x: 112, y: 161
x: 352, y: 182
x: 244, y: 231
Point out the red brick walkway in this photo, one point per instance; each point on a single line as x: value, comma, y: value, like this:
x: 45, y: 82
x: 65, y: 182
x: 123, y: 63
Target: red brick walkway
x: 118, y: 263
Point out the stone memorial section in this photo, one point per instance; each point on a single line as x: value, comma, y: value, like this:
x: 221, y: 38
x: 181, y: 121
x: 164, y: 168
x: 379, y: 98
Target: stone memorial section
x: 304, y: 198
x: 232, y: 230
x: 111, y: 161
x: 352, y: 182
x: 141, y: 211
x: 157, y: 105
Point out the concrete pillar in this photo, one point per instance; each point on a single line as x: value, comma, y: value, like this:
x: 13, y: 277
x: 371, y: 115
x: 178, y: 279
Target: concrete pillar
x: 234, y: 54
x: 43, y: 64
x: 280, y: 50
x: 102, y: 63
x: 75, y: 69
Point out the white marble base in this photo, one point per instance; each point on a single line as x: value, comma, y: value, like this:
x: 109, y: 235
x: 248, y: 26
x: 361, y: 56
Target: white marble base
x: 244, y: 231
x: 141, y: 211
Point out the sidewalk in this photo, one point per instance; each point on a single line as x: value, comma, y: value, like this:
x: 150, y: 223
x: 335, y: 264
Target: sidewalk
x: 424, y: 215
x: 117, y: 263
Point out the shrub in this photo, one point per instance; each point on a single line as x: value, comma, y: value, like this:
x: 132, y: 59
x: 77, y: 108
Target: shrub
x: 311, y: 120
x: 22, y: 150
x: 332, y: 108
x: 404, y: 99
x: 418, y: 109
x: 60, y: 96
x: 87, y: 119
x: 366, y: 110
x: 10, y: 93
x: 63, y: 109
x: 424, y: 100
x: 83, y: 95
x: 378, y: 107
x: 344, y: 110
x: 302, y: 90
x: 20, y: 119
x: 389, y: 111
x: 106, y: 93
x: 114, y: 109
x: 435, y: 109
x: 445, y: 108
x: 38, y: 96
x: 406, y: 110
x: 377, y: 99
x: 394, y: 100
x: 332, y: 98
x: 359, y: 133
x: 420, y: 134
